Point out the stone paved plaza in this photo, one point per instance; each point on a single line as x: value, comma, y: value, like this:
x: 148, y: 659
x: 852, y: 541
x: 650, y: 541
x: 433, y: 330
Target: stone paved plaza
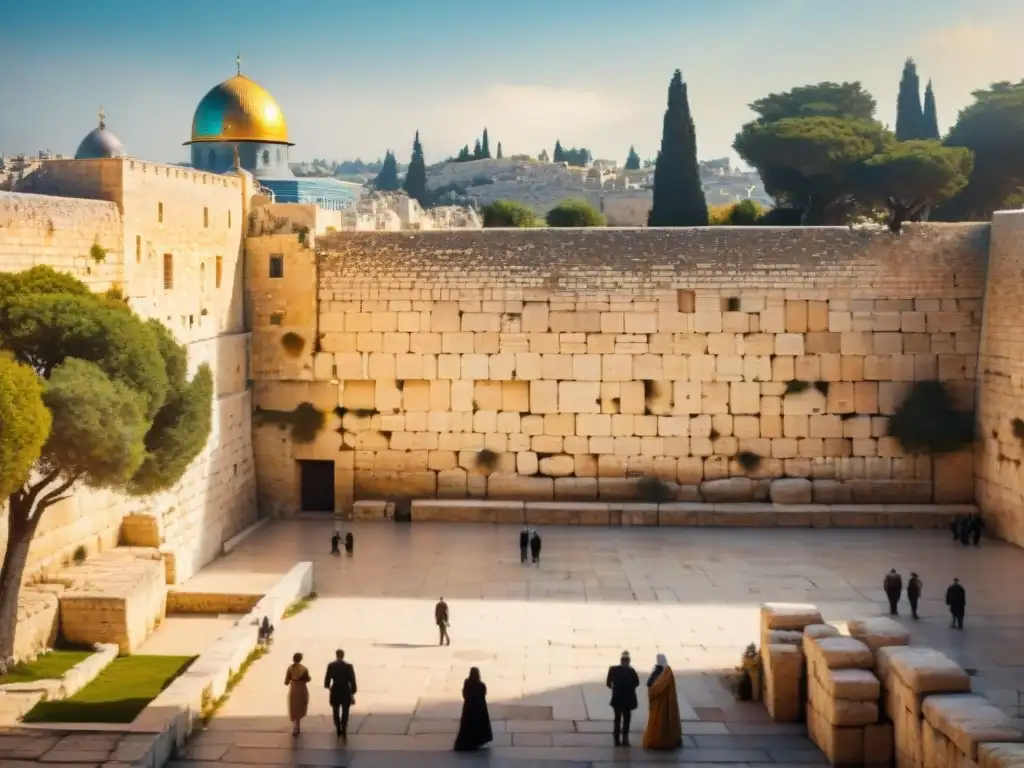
x: 544, y: 636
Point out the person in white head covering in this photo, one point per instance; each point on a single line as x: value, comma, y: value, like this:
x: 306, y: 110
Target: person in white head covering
x: 664, y: 730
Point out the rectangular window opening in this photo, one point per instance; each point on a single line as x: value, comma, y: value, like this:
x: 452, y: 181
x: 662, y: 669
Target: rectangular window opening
x: 138, y: 248
x: 168, y: 271
x: 275, y: 319
x: 218, y: 270
x: 276, y: 265
x: 160, y: 212
x: 206, y: 217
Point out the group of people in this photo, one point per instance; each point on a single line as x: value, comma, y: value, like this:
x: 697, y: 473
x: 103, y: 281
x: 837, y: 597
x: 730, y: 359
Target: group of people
x: 336, y: 540
x: 967, y: 530
x: 529, y: 539
x: 340, y: 682
x: 956, y: 596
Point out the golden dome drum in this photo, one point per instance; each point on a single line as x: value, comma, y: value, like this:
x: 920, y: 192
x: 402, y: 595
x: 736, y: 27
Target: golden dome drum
x: 239, y: 109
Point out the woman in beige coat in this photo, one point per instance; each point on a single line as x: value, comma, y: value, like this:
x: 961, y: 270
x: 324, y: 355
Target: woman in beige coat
x: 297, y: 679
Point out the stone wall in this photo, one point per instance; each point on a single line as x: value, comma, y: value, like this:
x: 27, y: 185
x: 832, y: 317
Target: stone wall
x: 577, y: 356
x: 138, y: 212
x: 1000, y: 481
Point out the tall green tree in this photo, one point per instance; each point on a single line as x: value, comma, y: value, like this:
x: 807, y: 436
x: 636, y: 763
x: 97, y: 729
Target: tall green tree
x: 485, y: 146
x: 992, y: 127
x: 118, y: 410
x: 909, y: 115
x: 632, y: 160
x: 416, y: 176
x: 909, y: 176
x: 806, y: 144
x: 478, y: 153
x: 558, y: 157
x: 930, y: 116
x: 498, y: 156
x: 387, y: 179
x: 678, y: 193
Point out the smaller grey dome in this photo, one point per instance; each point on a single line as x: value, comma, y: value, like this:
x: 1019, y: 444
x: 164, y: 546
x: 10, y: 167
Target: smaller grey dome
x: 99, y: 143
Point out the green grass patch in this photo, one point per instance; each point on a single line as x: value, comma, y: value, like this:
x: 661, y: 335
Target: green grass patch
x: 47, y: 667
x: 211, y: 707
x: 299, y: 605
x: 118, y: 693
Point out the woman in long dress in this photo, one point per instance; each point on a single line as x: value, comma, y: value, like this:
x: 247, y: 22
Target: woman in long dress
x: 664, y: 730
x: 297, y: 679
x: 475, y: 724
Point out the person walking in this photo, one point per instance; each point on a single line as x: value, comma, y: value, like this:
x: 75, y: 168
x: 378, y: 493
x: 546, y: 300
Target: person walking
x: 340, y: 681
x: 297, y: 679
x: 443, y: 622
x: 914, y: 587
x: 664, y: 730
x: 524, y: 543
x: 475, y: 722
x: 893, y: 586
x: 956, y: 599
x: 623, y: 682
x: 336, y: 544
x: 977, y: 528
x: 350, y: 543
x: 965, y: 530
x: 535, y: 546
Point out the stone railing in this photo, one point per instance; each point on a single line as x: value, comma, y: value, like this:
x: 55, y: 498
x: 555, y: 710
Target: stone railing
x: 674, y: 514
x: 872, y: 699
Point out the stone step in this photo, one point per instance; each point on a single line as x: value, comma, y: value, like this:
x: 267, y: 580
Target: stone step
x: 740, y: 515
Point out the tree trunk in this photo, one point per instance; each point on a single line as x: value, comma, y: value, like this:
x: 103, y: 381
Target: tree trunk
x: 21, y: 527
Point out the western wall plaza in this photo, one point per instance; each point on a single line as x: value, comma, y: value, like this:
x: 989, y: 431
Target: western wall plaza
x: 697, y: 421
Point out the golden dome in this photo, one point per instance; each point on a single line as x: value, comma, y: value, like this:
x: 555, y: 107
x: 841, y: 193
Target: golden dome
x: 239, y: 109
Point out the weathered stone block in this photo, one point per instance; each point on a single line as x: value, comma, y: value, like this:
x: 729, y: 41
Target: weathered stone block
x: 791, y: 490
x: 733, y: 489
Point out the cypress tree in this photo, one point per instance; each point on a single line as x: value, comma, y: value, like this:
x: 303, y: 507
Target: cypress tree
x: 909, y: 116
x: 559, y: 155
x: 931, y: 117
x: 499, y: 151
x: 632, y: 160
x: 387, y: 179
x: 416, y: 177
x: 477, y: 152
x: 485, y: 146
x: 678, y: 194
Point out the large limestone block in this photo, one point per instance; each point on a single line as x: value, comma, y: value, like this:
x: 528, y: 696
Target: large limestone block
x: 840, y: 711
x: 878, y: 632
x: 923, y: 670
x: 967, y: 720
x: 793, y: 616
x: 635, y: 513
x: 731, y: 489
x: 557, y: 512
x: 743, y: 516
x: 1001, y: 755
x: 460, y: 510
x: 878, y: 744
x: 790, y: 490
x: 814, y: 631
x: 825, y: 491
x: 842, y: 745
x: 783, y: 670
x: 679, y: 513
x: 851, y: 684
x: 508, y: 486
x: 839, y: 653
x: 784, y: 637
x: 36, y: 626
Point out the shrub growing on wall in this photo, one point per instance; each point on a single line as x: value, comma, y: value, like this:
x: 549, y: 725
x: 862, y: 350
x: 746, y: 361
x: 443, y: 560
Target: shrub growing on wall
x: 575, y: 213
x: 928, y: 422
x: 293, y: 343
x: 508, y: 213
x: 102, y: 400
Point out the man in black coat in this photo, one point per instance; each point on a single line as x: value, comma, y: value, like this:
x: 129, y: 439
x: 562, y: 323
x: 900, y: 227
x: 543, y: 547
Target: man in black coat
x: 340, y: 680
x: 956, y: 599
x: 524, y: 543
x: 893, y: 586
x: 623, y: 681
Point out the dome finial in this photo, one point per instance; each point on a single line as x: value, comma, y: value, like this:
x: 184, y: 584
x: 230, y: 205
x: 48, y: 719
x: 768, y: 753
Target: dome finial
x: 103, y: 118
x: 238, y: 62
x: 236, y: 161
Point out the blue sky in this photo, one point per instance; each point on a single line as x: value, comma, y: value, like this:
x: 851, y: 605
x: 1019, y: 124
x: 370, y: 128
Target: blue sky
x: 355, y: 78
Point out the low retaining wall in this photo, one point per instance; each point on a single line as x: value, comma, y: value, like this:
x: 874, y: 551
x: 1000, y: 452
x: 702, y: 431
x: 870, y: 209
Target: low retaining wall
x: 675, y: 513
x: 170, y: 717
x: 210, y: 603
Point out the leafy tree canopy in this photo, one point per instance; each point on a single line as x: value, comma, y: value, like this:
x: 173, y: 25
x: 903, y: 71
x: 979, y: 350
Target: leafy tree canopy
x: 845, y: 100
x: 575, y: 213
x: 632, y: 160
x: 26, y: 423
x: 992, y: 127
x: 508, y: 213
x: 909, y: 176
x: 744, y: 213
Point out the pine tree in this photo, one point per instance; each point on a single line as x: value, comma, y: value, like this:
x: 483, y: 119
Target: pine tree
x: 416, y: 176
x: 477, y: 152
x: 387, y: 179
x: 499, y: 151
x: 909, y: 116
x: 559, y: 155
x: 632, y: 160
x: 678, y: 194
x: 930, y: 122
x: 463, y: 155
x: 485, y: 146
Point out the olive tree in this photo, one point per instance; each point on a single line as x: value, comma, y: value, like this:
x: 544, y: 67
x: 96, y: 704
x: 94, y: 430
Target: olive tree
x: 90, y: 395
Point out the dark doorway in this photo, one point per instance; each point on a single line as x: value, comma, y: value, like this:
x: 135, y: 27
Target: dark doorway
x: 317, y: 486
